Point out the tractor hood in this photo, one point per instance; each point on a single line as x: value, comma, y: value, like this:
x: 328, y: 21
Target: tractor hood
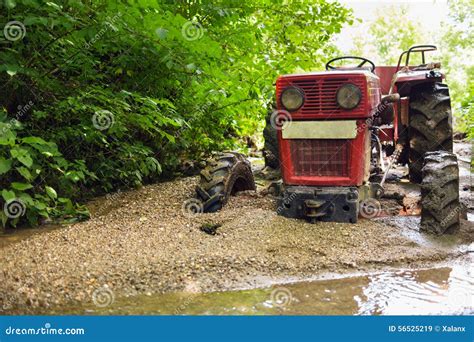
x: 340, y: 72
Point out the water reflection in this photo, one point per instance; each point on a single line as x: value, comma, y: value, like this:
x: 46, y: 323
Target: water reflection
x: 434, y: 291
x: 447, y: 290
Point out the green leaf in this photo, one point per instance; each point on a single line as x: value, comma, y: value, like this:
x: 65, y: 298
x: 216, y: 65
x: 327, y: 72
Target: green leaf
x: 168, y: 136
x: 67, y: 203
x: 22, y: 155
x: 34, y: 140
x: 72, y: 175
x: 5, y: 165
x: 8, y: 195
x: 54, y: 5
x: 40, y: 205
x: 25, y: 173
x: 4, y: 218
x: 38, y: 114
x: 47, y: 149
x: 21, y: 186
x: 7, y: 136
x: 28, y: 21
x: 26, y: 198
x: 51, y: 192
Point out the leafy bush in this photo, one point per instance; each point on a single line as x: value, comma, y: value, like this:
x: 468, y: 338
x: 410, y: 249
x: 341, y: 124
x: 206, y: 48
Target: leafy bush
x: 103, y: 95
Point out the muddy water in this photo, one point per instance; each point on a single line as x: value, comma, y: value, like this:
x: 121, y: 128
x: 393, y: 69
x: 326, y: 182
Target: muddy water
x: 445, y: 290
x: 12, y: 236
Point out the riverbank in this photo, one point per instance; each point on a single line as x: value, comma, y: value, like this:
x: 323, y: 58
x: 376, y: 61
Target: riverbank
x: 142, y: 242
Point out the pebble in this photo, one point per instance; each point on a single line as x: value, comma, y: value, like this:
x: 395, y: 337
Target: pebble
x: 164, y: 250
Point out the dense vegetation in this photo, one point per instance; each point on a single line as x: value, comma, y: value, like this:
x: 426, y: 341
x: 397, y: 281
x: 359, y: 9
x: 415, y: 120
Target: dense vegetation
x: 457, y: 43
x: 103, y: 95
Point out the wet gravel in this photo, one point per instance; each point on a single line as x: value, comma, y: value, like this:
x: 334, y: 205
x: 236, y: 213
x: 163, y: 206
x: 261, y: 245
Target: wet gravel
x: 143, y: 242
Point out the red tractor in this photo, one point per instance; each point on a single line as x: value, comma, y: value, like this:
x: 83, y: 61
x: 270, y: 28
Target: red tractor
x: 332, y: 131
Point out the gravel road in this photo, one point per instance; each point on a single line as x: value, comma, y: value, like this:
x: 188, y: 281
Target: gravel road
x: 142, y: 242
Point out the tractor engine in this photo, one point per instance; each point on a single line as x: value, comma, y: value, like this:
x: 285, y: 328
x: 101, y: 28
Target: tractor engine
x: 324, y: 139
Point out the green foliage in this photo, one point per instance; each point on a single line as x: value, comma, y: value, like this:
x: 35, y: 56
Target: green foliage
x: 391, y: 37
x: 457, y: 41
x: 103, y: 95
x: 466, y: 106
x: 27, y: 165
x: 387, y: 38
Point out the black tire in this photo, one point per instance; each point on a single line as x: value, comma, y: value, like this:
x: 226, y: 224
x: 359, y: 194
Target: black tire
x: 224, y: 175
x: 271, y: 152
x: 440, y: 208
x: 430, y: 127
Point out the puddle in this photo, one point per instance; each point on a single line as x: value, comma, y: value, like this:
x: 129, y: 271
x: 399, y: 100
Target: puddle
x: 445, y: 290
x: 14, y: 235
x: 470, y: 217
x: 437, y: 291
x: 409, y: 227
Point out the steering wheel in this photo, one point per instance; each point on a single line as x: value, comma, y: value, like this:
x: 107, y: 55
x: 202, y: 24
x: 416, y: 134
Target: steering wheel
x: 364, y: 60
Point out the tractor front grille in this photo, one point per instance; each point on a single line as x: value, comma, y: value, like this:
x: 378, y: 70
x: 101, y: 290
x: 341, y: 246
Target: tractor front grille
x: 320, y: 157
x: 320, y: 94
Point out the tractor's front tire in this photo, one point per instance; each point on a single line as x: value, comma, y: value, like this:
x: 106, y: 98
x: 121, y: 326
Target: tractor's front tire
x: 440, y: 208
x: 271, y: 153
x: 430, y: 127
x: 224, y: 175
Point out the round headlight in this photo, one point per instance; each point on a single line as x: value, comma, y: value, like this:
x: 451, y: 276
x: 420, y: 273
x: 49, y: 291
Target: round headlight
x: 348, y: 96
x: 292, y: 98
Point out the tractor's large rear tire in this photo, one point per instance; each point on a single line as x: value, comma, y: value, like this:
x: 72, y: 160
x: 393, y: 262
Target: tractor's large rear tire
x: 430, y: 127
x: 224, y: 175
x: 271, y: 152
x: 440, y: 208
